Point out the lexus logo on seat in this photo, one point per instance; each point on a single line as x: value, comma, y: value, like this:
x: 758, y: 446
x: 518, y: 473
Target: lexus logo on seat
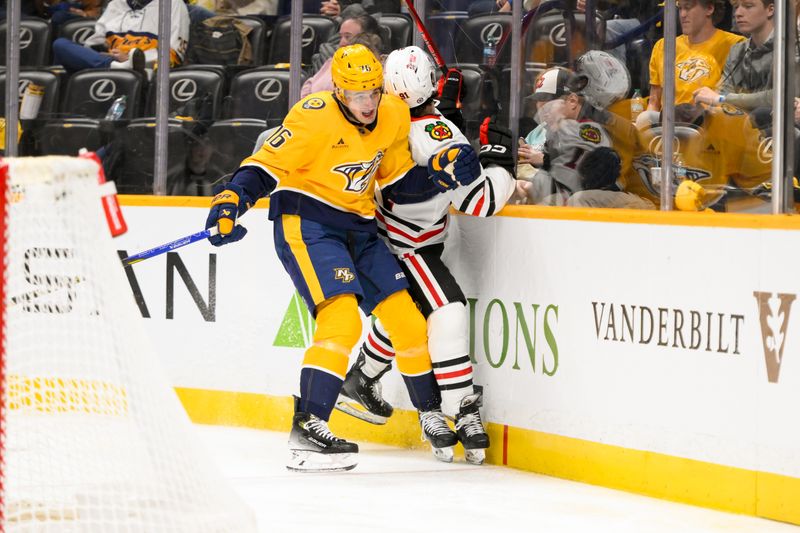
x: 184, y: 90
x: 308, y: 35
x: 25, y: 38
x: 269, y: 89
x: 558, y: 35
x: 82, y: 34
x: 102, y: 90
x: 493, y: 31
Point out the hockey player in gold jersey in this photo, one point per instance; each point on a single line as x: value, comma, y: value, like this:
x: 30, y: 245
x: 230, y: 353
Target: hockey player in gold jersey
x: 320, y: 169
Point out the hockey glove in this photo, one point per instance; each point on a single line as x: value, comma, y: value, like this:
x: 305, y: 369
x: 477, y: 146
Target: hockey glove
x: 229, y: 203
x: 496, y: 146
x: 450, y: 93
x: 454, y: 166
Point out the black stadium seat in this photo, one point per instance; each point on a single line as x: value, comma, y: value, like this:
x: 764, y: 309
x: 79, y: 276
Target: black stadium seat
x: 261, y: 93
x: 194, y: 92
x: 546, y: 39
x: 34, y: 42
x: 232, y: 141
x: 443, y: 27
x: 316, y: 30
x: 87, y: 98
x: 77, y: 30
x: 133, y: 172
x: 257, y: 38
x: 43, y: 78
x: 399, y: 29
x: 476, y: 31
x: 90, y: 93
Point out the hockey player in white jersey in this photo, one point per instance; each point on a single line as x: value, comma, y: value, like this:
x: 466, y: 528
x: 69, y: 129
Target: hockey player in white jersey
x: 415, y: 232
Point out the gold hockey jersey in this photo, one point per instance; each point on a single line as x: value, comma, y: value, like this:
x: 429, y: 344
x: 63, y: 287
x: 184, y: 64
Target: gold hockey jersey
x: 327, y: 167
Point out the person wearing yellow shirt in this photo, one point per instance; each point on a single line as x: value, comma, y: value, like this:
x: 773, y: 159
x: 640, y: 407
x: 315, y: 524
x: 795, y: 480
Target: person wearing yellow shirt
x: 700, y: 53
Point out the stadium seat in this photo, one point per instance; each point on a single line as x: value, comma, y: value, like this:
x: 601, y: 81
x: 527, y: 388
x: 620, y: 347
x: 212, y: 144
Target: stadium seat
x: 546, y: 38
x: 87, y: 98
x: 261, y: 93
x: 232, y: 141
x: 442, y: 27
x: 316, y: 30
x: 135, y: 147
x: 257, y: 38
x: 43, y: 78
x: 195, y: 92
x: 77, y: 30
x: 89, y: 93
x: 34, y: 42
x: 475, y: 31
x: 638, y: 54
x: 399, y: 28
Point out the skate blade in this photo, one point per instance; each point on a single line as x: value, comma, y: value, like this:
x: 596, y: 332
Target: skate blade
x: 346, y: 405
x: 475, y: 457
x: 444, y: 455
x: 307, y: 461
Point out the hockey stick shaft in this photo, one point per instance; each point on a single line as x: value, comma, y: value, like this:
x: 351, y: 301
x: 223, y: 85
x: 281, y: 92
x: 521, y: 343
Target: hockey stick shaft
x: 426, y: 37
x: 173, y: 245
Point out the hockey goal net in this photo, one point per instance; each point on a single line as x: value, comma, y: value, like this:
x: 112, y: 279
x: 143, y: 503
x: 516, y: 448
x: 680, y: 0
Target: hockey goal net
x: 94, y: 437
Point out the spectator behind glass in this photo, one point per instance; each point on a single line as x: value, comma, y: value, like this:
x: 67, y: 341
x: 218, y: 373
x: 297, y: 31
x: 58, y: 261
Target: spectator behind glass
x: 64, y: 11
x: 355, y: 20
x: 333, y: 8
x: 322, y: 80
x: 700, y: 52
x: 747, y: 77
x: 125, y: 37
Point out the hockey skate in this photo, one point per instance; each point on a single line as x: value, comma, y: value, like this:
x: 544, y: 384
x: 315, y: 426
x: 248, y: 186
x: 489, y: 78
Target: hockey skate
x: 470, y: 429
x: 362, y: 397
x: 313, y: 448
x: 436, y: 431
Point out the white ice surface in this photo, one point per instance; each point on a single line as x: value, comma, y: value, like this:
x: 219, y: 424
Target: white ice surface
x: 396, y: 490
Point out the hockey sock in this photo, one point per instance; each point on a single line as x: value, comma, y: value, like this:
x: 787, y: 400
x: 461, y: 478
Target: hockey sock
x: 325, y: 361
x: 407, y: 330
x: 378, y: 351
x: 448, y: 343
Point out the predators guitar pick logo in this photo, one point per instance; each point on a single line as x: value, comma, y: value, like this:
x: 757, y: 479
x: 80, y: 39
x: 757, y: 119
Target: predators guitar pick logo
x: 359, y: 174
x: 693, y: 69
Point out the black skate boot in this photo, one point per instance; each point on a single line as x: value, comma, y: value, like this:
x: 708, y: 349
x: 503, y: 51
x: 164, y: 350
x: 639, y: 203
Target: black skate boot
x: 361, y: 396
x: 313, y: 448
x: 436, y: 431
x: 470, y: 429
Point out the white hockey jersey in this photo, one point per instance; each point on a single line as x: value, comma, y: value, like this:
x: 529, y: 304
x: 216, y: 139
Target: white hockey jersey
x: 124, y: 28
x: 406, y: 227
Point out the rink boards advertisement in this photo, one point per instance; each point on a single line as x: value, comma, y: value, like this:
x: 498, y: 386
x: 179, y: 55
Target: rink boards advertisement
x: 657, y: 353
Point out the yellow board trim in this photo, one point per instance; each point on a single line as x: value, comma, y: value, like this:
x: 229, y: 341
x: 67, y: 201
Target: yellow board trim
x: 653, y: 474
x: 616, y: 216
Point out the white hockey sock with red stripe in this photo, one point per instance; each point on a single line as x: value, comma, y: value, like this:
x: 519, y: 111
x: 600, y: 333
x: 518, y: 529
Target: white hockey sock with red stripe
x: 378, y: 351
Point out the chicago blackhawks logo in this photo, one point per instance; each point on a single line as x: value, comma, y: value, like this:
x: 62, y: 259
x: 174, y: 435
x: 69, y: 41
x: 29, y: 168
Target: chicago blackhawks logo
x: 590, y: 133
x: 439, y: 131
x: 693, y: 69
x: 359, y: 174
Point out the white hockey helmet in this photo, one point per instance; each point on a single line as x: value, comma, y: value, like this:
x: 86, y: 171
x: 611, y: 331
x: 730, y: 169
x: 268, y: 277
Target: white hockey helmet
x: 608, y: 79
x: 411, y: 74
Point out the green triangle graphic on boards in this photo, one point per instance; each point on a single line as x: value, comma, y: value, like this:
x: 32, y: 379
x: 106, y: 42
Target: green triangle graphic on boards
x: 297, y: 327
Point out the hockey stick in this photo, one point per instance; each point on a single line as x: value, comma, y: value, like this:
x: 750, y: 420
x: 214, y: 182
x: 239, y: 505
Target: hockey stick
x: 173, y: 245
x: 426, y: 37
